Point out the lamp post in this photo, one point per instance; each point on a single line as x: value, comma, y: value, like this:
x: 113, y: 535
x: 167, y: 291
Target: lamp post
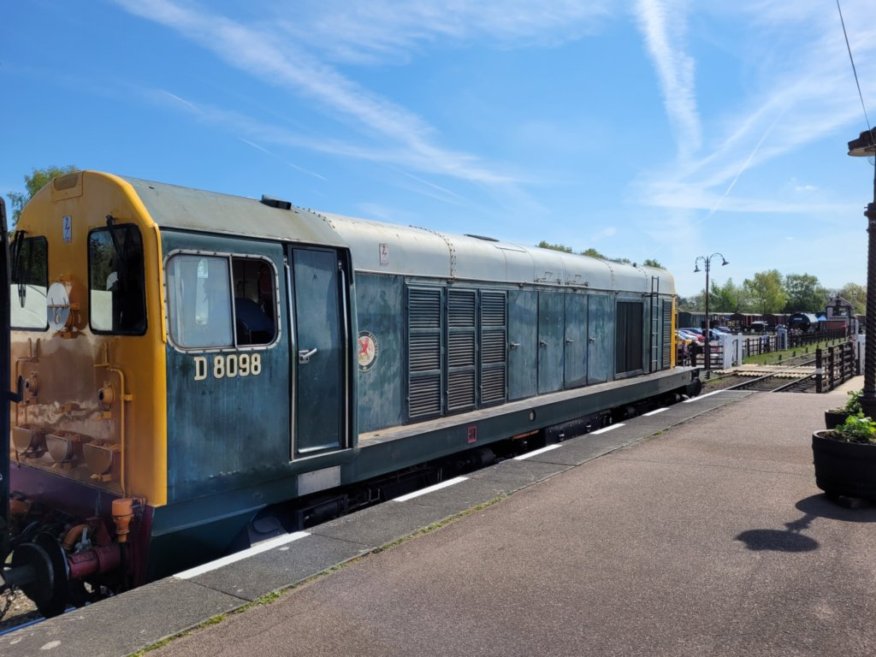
x: 708, y: 262
x: 865, y: 146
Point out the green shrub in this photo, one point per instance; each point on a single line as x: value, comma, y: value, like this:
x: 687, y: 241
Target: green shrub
x: 856, y: 429
x: 853, y: 405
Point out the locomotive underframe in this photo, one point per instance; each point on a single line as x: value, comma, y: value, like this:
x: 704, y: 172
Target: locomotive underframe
x: 182, y: 530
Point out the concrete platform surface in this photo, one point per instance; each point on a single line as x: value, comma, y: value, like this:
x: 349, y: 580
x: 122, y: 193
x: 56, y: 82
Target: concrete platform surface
x: 709, y: 538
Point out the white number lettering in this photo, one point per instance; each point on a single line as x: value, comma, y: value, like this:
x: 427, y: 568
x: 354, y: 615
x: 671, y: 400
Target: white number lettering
x: 229, y: 367
x: 200, y: 368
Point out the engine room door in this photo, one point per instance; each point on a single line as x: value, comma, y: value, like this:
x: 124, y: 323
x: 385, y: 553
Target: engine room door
x: 576, y: 340
x: 320, y: 332
x: 551, y: 333
x: 600, y: 338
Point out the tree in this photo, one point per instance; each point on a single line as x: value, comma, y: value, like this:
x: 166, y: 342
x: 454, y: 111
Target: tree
x: 38, y: 179
x: 593, y: 253
x: 727, y: 298
x: 856, y: 295
x: 805, y: 294
x: 766, y: 291
x: 650, y: 262
x: 554, y: 247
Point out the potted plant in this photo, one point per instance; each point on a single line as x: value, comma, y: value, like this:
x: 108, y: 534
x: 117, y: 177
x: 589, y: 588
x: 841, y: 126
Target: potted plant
x: 845, y: 458
x: 834, y: 417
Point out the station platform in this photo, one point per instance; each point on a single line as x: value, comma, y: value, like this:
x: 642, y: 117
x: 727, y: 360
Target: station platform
x: 695, y: 530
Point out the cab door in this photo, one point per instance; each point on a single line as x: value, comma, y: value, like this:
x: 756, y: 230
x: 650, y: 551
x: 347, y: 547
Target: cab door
x: 319, y: 287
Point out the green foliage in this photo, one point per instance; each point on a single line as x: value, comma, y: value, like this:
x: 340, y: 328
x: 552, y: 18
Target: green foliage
x: 856, y: 429
x: 728, y: 298
x: 33, y: 183
x: 770, y: 292
x: 805, y: 294
x: 853, y: 404
x: 554, y: 247
x: 856, y: 295
x: 593, y: 253
x: 766, y: 291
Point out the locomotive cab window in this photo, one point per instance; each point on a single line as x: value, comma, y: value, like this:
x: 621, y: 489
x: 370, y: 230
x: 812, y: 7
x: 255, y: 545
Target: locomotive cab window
x: 254, y: 301
x: 29, y: 282
x: 116, y: 283
x: 218, y: 301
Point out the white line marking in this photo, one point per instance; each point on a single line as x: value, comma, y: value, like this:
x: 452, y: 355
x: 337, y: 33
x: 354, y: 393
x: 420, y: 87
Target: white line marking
x: 429, y: 489
x: 693, y: 399
x: 659, y: 410
x: 270, y: 544
x: 535, y: 452
x: 606, y: 429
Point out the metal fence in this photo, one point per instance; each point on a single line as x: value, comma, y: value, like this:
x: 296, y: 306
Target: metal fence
x: 835, y: 365
x: 766, y: 344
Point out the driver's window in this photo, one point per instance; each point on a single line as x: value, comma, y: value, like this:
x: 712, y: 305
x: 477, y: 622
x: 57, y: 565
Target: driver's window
x: 116, y: 291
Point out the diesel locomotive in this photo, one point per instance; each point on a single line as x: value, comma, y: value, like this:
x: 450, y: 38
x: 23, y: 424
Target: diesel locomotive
x: 193, y: 371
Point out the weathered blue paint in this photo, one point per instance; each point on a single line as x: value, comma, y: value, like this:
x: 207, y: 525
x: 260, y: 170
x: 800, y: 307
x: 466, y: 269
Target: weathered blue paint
x: 380, y: 303
x: 522, y: 344
x: 551, y: 334
x: 319, y: 351
x: 576, y: 340
x: 600, y: 338
x: 450, y: 435
x: 225, y: 432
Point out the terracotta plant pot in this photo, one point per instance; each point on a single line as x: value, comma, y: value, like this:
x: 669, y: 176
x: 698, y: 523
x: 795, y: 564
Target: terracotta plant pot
x: 847, y: 469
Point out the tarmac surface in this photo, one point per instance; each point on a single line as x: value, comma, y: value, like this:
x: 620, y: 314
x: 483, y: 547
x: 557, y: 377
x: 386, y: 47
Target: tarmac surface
x: 697, y: 530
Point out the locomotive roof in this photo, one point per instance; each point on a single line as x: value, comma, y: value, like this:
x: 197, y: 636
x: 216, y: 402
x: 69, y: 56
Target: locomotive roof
x: 389, y: 248
x: 413, y: 251
x: 172, y: 206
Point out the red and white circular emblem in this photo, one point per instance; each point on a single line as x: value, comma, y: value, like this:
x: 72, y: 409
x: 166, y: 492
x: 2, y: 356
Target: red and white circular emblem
x: 367, y: 350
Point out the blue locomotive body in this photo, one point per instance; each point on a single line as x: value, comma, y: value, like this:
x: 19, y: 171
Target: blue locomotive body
x: 266, y: 359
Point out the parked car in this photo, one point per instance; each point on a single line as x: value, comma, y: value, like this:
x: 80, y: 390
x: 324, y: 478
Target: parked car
x: 757, y: 327
x: 693, y: 334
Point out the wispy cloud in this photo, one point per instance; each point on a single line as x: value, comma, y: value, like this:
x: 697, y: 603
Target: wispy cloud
x: 663, y: 24
x: 803, y: 95
x: 403, y: 136
x: 388, y: 30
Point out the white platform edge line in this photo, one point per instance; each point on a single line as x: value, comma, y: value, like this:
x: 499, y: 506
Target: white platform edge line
x: 693, y: 399
x: 536, y: 452
x: 429, y: 489
x: 265, y: 546
x: 607, y: 429
x: 659, y: 410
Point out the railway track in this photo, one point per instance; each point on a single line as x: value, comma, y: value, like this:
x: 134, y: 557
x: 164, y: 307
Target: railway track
x: 18, y: 611
x: 795, y: 376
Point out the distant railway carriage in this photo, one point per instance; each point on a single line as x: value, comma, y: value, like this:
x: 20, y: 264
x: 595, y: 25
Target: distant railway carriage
x: 191, y: 362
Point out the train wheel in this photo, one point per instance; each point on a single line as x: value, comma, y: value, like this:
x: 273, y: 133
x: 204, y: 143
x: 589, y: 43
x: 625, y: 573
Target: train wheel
x: 694, y: 388
x: 47, y: 586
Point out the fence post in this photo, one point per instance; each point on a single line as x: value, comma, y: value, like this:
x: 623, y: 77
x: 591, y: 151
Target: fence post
x: 849, y: 361
x: 831, y: 375
x: 819, y: 372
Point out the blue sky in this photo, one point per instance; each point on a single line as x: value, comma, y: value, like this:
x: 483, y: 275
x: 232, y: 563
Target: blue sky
x: 645, y: 129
